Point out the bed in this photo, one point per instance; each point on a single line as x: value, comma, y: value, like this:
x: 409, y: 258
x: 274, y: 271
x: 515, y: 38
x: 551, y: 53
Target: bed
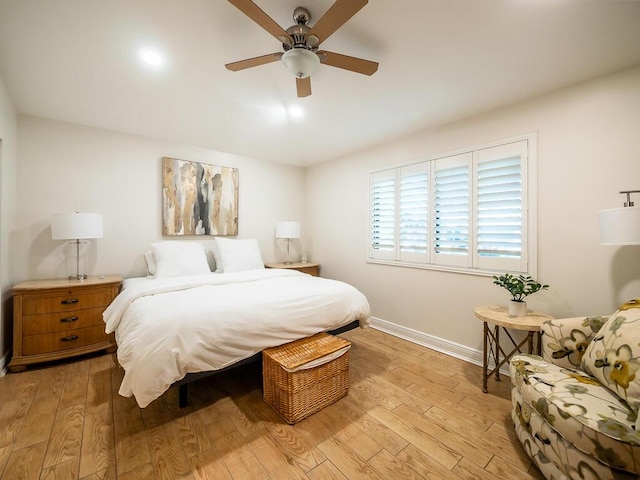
x: 171, y: 329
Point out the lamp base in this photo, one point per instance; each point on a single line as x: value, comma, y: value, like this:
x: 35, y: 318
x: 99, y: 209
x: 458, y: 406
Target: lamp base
x: 78, y: 277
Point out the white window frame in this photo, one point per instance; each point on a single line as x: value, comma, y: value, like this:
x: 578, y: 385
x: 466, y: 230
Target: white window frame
x: 472, y: 263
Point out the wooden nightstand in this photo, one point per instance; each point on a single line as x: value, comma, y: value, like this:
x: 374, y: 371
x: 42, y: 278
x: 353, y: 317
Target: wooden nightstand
x: 310, y: 268
x: 55, y: 319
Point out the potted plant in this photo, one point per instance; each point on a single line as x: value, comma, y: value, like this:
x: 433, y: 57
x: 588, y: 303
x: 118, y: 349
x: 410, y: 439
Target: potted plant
x: 519, y: 287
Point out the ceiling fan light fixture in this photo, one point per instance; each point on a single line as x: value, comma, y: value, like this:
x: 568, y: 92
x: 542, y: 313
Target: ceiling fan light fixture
x: 301, y: 62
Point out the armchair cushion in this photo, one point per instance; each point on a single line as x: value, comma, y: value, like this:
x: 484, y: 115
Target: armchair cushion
x: 612, y: 357
x: 565, y: 340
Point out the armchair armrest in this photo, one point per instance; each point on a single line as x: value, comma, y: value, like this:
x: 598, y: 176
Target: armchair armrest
x: 564, y: 340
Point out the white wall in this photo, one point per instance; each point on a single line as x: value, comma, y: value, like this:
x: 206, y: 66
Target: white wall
x: 8, y: 138
x: 65, y: 168
x: 587, y: 153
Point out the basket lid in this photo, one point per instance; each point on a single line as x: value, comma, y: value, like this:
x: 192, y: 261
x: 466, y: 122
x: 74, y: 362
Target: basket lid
x: 293, y: 355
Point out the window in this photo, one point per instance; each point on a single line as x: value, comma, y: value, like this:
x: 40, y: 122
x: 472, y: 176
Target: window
x: 470, y: 211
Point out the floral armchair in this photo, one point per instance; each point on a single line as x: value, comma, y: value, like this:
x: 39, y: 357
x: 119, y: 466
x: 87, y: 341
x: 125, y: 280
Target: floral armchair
x: 575, y: 410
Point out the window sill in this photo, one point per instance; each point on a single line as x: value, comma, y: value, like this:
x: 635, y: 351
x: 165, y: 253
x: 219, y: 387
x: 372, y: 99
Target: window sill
x: 441, y: 268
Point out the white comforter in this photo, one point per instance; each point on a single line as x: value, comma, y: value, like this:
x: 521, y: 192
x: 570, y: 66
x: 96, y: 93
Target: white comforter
x: 166, y: 328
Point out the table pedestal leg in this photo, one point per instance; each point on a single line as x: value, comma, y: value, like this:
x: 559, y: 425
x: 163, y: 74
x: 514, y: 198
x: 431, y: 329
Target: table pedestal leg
x: 485, y: 358
x: 497, y: 352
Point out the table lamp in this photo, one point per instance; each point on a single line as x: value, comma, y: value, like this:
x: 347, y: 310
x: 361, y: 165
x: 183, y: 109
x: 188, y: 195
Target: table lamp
x: 76, y: 226
x: 288, y: 230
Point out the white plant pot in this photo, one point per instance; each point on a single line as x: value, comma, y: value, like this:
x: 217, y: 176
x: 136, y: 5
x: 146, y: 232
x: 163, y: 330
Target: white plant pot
x: 517, y: 309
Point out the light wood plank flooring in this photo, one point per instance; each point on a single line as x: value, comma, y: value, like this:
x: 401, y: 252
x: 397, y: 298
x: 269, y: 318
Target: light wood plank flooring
x: 411, y: 413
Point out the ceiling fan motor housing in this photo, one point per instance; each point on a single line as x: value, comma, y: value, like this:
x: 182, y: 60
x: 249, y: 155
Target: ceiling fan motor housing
x: 299, y: 34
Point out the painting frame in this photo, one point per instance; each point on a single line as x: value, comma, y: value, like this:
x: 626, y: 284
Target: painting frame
x: 199, y: 198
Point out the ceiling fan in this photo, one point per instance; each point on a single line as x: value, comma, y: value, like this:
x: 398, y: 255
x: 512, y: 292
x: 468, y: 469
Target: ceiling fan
x: 300, y: 42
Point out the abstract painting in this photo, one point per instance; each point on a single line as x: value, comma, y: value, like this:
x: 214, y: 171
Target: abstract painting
x: 198, y: 198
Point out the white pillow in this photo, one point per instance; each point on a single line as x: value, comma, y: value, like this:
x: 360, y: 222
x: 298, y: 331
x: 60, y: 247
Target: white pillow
x: 238, y: 255
x: 179, y: 258
x: 151, y: 262
x: 213, y: 257
x: 210, y: 250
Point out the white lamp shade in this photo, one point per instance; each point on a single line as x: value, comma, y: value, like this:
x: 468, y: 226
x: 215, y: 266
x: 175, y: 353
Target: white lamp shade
x: 300, y: 62
x: 620, y: 226
x: 67, y: 226
x: 287, y: 230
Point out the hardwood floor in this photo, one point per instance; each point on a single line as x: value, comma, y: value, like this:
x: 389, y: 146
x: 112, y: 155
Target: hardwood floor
x: 411, y: 413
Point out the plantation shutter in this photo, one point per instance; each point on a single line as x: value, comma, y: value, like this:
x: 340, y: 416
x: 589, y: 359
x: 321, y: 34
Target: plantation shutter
x: 501, y: 207
x: 452, y: 210
x: 472, y: 211
x: 414, y: 213
x: 383, y: 215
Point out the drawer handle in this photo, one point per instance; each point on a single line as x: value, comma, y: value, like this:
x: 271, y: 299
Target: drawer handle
x: 70, y: 338
x: 71, y: 301
x: 68, y: 319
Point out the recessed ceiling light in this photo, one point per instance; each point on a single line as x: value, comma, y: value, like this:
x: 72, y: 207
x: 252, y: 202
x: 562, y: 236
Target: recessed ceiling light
x: 150, y: 57
x: 295, y: 112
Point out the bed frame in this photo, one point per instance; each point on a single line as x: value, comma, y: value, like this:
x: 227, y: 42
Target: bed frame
x: 183, y: 384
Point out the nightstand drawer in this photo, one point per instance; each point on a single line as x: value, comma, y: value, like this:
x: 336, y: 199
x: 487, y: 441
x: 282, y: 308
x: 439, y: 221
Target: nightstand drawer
x: 66, y: 302
x: 55, y: 342
x: 310, y: 270
x: 62, y: 321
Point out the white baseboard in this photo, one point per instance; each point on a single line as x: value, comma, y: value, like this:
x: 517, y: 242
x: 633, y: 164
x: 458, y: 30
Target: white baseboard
x: 434, y: 343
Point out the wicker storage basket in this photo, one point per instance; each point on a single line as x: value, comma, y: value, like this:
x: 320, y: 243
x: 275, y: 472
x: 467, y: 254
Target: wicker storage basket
x: 297, y: 394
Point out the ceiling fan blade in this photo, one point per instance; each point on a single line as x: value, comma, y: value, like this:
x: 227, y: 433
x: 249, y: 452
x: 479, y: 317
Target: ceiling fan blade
x: 254, y: 62
x: 358, y: 65
x: 335, y: 17
x: 256, y: 14
x: 303, y: 85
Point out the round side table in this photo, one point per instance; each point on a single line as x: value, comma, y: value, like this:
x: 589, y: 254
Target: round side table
x: 500, y: 318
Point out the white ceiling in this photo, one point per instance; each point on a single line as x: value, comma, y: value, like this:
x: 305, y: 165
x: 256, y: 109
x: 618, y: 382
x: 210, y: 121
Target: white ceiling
x: 440, y: 60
